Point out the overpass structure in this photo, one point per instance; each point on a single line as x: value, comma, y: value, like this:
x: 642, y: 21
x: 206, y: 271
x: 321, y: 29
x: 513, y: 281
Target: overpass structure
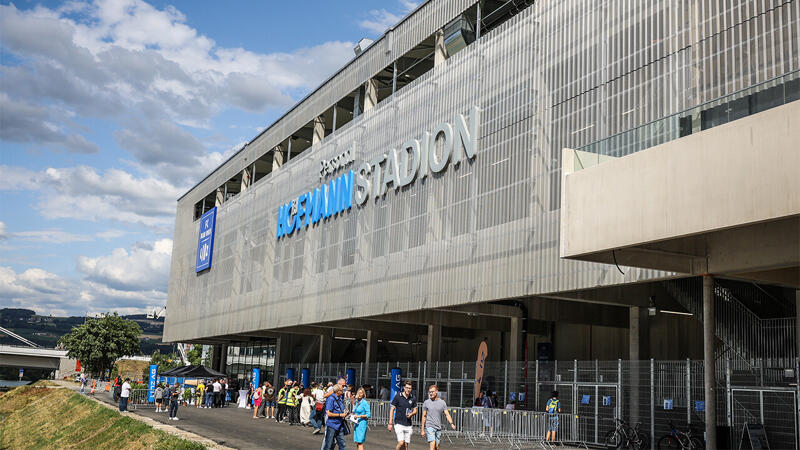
x: 28, y: 357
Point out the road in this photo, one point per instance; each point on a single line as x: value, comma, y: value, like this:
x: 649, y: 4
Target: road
x: 234, y: 427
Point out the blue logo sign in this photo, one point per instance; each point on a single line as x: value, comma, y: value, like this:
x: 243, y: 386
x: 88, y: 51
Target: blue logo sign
x: 397, y: 375
x: 151, y: 383
x: 205, y: 241
x: 256, y: 378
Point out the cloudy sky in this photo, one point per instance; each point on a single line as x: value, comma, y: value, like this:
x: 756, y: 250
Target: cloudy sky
x: 110, y: 110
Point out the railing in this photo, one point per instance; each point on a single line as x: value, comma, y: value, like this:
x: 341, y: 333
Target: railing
x: 490, y: 425
x: 745, y: 335
x: 769, y: 94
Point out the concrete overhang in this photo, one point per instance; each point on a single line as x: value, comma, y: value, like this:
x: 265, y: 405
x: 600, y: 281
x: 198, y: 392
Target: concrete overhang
x: 724, y: 201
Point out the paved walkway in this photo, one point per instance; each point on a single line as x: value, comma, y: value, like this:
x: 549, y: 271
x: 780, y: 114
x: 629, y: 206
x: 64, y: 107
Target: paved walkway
x: 235, y: 427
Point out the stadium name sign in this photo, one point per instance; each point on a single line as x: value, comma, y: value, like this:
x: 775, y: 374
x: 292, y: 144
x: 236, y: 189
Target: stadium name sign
x: 432, y: 152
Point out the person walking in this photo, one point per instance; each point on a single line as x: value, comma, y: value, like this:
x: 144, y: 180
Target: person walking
x: 256, y: 401
x: 361, y: 411
x: 83, y: 383
x: 174, y: 399
x: 125, y: 393
x: 336, y: 428
x: 292, y: 404
x: 404, y: 407
x: 432, y: 409
x: 269, y: 401
x: 318, y: 420
x: 158, y: 395
x: 94, y: 386
x: 383, y: 394
x: 306, y: 407
x: 117, y: 388
x: 200, y: 392
x: 217, y: 394
x: 282, y: 393
x: 552, y: 408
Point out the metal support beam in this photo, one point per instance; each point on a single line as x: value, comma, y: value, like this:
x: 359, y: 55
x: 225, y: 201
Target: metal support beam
x: 515, y: 340
x: 319, y: 130
x: 709, y: 361
x: 372, y: 347
x: 325, y: 341
x: 434, y: 350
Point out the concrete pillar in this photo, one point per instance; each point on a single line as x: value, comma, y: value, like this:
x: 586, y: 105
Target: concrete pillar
x: 372, y: 347
x: 797, y: 323
x: 220, y: 198
x: 357, y: 102
x: 283, y: 354
x: 216, y: 357
x: 639, y: 334
x: 319, y: 130
x: 277, y: 157
x: 709, y: 322
x: 245, y: 179
x: 439, y: 51
x: 370, y: 94
x: 325, y: 341
x: 515, y: 340
x: 434, y: 342
x: 223, y: 358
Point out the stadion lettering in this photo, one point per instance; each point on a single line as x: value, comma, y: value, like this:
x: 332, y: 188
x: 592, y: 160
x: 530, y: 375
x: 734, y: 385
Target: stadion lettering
x: 447, y: 143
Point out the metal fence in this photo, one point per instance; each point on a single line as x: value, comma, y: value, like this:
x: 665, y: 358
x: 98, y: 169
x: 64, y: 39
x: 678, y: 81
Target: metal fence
x: 653, y: 393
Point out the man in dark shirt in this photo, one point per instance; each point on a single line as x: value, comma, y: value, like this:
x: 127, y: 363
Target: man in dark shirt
x: 404, y: 407
x: 334, y: 427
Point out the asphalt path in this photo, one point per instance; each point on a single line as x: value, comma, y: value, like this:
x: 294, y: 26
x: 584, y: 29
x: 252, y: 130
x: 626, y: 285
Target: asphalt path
x: 235, y: 427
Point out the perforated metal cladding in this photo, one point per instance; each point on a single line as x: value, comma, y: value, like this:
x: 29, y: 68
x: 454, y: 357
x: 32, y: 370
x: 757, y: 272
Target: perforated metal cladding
x: 559, y: 74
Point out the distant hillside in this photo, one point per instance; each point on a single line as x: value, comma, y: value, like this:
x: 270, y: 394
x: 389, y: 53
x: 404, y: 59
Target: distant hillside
x: 47, y: 330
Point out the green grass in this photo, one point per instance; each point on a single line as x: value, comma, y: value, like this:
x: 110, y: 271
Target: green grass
x: 36, y: 418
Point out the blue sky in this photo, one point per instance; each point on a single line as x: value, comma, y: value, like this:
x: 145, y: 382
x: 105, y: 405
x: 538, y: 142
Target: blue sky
x: 110, y: 110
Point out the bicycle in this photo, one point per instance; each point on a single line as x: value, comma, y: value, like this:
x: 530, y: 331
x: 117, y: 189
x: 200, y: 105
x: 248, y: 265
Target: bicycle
x: 680, y: 439
x: 625, y: 436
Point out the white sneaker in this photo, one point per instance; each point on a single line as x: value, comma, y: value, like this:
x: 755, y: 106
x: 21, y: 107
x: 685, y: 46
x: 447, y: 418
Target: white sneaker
x: 175, y: 418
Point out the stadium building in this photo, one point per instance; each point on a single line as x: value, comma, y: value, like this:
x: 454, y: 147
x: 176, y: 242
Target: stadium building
x: 579, y: 180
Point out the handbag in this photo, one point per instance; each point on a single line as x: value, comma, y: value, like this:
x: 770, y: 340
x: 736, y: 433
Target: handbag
x: 319, y: 406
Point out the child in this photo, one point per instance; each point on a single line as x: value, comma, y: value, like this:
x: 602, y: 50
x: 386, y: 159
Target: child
x: 553, y: 408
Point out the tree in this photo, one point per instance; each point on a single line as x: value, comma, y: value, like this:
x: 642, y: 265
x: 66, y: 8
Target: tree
x: 165, y: 361
x: 99, y: 342
x: 195, y: 355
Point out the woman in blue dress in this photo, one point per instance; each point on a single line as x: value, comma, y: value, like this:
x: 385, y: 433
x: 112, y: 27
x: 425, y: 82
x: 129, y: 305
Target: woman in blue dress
x: 362, y: 413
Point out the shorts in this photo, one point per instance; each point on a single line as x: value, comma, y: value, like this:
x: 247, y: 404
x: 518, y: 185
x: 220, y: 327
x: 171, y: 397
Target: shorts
x: 159, y: 401
x: 268, y: 404
x: 553, y: 424
x: 433, y: 435
x: 403, y: 433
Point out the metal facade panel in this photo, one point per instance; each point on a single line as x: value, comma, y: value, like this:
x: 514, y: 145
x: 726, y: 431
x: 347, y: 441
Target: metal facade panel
x: 559, y: 74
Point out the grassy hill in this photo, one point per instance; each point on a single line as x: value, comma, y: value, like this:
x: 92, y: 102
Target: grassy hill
x: 42, y: 418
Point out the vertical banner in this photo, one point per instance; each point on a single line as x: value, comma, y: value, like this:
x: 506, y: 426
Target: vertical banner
x: 205, y: 240
x: 256, y: 378
x: 351, y: 377
x: 151, y: 383
x: 305, y: 378
x: 290, y: 374
x: 397, y: 375
x: 479, y: 365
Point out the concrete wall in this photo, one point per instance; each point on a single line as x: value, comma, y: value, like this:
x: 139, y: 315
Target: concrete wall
x: 740, y: 173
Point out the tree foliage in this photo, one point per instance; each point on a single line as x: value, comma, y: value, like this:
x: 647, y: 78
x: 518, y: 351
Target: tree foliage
x: 165, y: 361
x: 195, y: 355
x: 99, y: 342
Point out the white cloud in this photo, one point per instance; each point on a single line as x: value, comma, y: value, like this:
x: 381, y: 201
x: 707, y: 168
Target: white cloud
x: 144, y: 68
x: 56, y: 236
x: 143, y: 267
x: 128, y: 281
x: 381, y: 19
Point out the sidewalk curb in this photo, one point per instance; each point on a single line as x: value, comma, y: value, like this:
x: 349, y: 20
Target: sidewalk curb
x: 188, y: 435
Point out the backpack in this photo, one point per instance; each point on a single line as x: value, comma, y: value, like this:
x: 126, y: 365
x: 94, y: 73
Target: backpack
x: 552, y: 405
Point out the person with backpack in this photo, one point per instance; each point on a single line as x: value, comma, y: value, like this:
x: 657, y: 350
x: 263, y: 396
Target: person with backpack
x: 158, y: 395
x: 553, y: 408
x: 282, y: 401
x: 269, y: 400
x: 117, y: 388
x: 256, y: 401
